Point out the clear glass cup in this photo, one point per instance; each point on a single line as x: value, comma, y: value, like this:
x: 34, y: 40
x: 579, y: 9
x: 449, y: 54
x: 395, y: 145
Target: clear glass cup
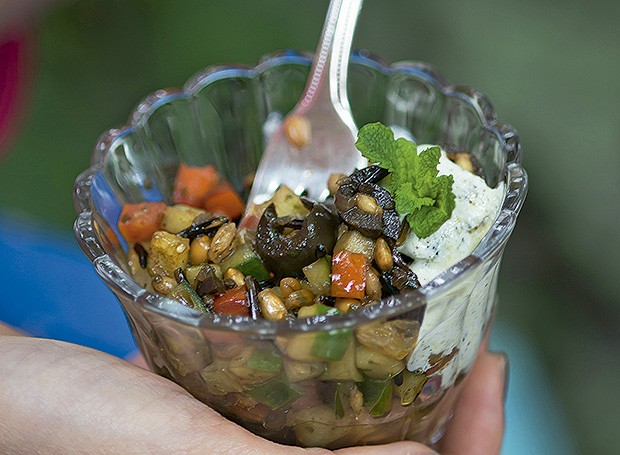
x: 266, y: 375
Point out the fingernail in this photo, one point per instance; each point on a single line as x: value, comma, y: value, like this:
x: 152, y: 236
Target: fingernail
x: 505, y: 366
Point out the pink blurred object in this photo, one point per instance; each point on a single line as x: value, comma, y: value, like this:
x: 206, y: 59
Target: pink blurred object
x: 17, y: 61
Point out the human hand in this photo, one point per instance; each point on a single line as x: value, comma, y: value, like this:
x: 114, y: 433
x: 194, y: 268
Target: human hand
x: 57, y: 397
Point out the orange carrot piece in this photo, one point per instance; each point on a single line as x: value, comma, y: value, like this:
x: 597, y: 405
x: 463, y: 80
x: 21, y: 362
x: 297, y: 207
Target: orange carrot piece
x: 139, y: 221
x: 192, y: 184
x: 224, y: 200
x: 232, y: 302
x: 349, y: 275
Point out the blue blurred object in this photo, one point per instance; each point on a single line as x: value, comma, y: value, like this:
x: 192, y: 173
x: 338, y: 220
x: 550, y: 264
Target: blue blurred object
x: 534, y: 421
x: 51, y: 290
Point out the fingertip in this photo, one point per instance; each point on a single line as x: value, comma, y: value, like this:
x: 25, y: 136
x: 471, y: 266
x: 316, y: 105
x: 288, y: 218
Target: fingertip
x: 503, y: 365
x: 478, y: 422
x: 395, y: 448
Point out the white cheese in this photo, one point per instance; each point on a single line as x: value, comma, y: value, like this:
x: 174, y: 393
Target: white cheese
x: 476, y: 208
x: 457, y: 318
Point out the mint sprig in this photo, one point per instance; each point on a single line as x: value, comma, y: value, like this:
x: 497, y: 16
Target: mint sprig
x: 425, y: 197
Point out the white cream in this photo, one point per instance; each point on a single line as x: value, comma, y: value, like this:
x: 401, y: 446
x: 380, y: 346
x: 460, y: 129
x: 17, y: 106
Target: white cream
x: 476, y: 208
x: 455, y: 319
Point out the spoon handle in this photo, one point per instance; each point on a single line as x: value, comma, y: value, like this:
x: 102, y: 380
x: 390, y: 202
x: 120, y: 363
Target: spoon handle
x: 332, y: 58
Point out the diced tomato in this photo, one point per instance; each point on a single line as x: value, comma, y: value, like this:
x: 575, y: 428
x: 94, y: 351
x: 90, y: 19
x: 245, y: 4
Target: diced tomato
x: 349, y: 275
x: 224, y: 200
x: 109, y: 233
x: 232, y: 302
x: 139, y: 221
x: 192, y: 184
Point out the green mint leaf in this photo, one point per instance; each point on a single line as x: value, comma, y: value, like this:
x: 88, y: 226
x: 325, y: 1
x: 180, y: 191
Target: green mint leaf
x: 376, y: 142
x: 407, y: 204
x: 419, y: 192
x: 429, y: 218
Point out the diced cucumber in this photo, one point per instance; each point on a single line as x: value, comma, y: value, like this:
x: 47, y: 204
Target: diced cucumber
x: 356, y: 242
x: 377, y: 396
x: 299, y: 347
x: 191, y: 273
x: 330, y: 345
x: 287, y: 203
x: 249, y: 377
x: 345, y: 368
x: 265, y: 359
x: 220, y: 381
x: 185, y: 294
x: 247, y: 262
x: 275, y: 393
x: 315, y: 426
x: 179, y: 217
x: 297, y: 370
x: 319, y: 275
x: 376, y: 365
x: 316, y: 309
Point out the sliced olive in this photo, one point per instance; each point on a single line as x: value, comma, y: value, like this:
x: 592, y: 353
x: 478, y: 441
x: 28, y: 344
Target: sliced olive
x: 286, y: 244
x: 383, y: 219
x: 203, y: 226
x: 207, y: 282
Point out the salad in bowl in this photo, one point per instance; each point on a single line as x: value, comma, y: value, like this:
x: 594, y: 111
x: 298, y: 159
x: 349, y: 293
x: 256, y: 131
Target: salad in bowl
x: 333, y: 323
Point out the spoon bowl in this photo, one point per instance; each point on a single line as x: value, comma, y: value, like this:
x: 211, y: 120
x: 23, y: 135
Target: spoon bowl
x: 318, y: 137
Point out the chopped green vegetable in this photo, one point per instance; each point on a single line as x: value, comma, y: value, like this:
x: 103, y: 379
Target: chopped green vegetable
x: 377, y: 396
x: 185, y: 294
x: 411, y: 387
x: 376, y: 365
x: 425, y: 197
x: 316, y: 309
x: 343, y: 369
x: 339, y: 399
x: 330, y: 345
x: 275, y: 393
x: 265, y: 359
x: 247, y: 262
x: 319, y: 275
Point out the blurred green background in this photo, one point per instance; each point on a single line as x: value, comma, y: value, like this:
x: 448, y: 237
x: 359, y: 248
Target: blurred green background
x: 551, y: 69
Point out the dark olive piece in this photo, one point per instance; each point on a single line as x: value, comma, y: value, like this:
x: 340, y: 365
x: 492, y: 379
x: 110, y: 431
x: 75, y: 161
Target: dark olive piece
x: 286, y: 254
x: 207, y: 282
x: 399, y: 278
x: 179, y: 275
x: 207, y: 227
x: 326, y: 299
x: 387, y: 287
x: 369, y: 174
x: 252, y: 288
x: 142, y: 254
x: 385, y: 221
x: 229, y: 283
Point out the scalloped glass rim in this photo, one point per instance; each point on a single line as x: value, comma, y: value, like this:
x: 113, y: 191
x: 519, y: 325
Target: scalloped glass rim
x: 89, y: 237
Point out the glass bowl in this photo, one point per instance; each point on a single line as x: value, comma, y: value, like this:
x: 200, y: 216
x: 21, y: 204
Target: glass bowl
x: 266, y: 375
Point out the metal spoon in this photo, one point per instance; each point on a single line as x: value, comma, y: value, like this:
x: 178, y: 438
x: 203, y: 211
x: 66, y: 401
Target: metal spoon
x: 317, y: 137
